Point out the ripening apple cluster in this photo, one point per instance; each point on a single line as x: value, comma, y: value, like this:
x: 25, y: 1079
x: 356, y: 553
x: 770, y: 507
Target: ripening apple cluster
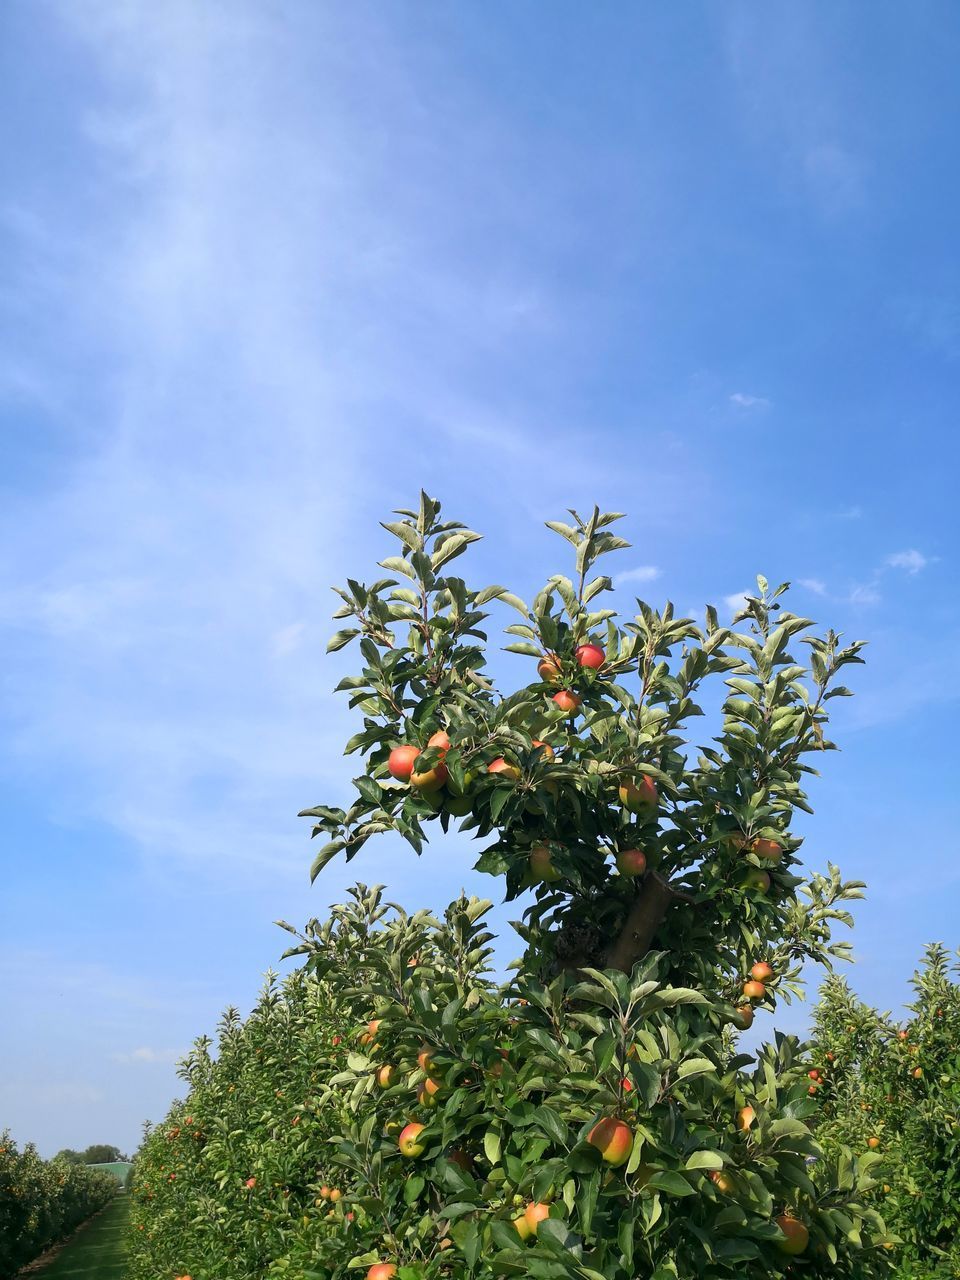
x: 637, y: 795
x: 755, y: 989
x: 612, y: 1136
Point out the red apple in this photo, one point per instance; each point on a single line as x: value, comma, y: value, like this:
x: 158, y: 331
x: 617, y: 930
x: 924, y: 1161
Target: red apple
x: 381, y: 1271
x: 590, y: 656
x: 723, y: 1182
x: 504, y: 768
x: 440, y: 741
x: 769, y: 850
x: 638, y: 794
x: 386, y: 1076
x: 425, y: 1058
x: 546, y: 751
x: 761, y: 971
x: 631, y: 862
x: 754, y: 990
x: 409, y: 1140
x: 534, y: 1214
x: 745, y: 1118
x: 567, y: 701
x: 873, y: 1143
x: 744, y: 1017
x: 613, y: 1139
x: 400, y: 763
x: 795, y: 1232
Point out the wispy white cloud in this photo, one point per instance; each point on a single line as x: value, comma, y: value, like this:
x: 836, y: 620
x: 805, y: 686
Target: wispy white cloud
x: 642, y: 573
x: 740, y: 400
x: 736, y: 600
x: 864, y: 593
x: 912, y: 561
x: 149, y: 1055
x: 813, y: 584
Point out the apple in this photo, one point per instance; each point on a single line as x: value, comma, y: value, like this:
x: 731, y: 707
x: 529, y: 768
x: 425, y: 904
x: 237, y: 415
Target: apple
x: 430, y: 779
x: 440, y: 741
x: 769, y: 850
x: 754, y: 990
x: 504, y: 768
x: 590, y: 656
x: 567, y: 701
x: 409, y: 1141
x: 743, y: 1018
x: 400, y: 762
x: 812, y: 1089
x: 386, y: 1076
x: 250, y: 1183
x: 638, y: 794
x: 425, y: 1058
x: 631, y: 862
x: 381, y: 1271
x: 723, y: 1181
x: 829, y: 1057
x: 541, y: 864
x: 902, y: 1035
x: 546, y: 751
x: 917, y: 1073
x: 548, y: 669
x: 460, y: 1158
x: 534, y: 1214
x: 522, y: 1227
x: 613, y: 1139
x: 814, y: 1074
x: 427, y: 1092
x: 745, y: 1118
x: 795, y: 1232
x: 761, y: 971
x: 459, y: 806
x: 755, y: 878
x: 335, y: 1194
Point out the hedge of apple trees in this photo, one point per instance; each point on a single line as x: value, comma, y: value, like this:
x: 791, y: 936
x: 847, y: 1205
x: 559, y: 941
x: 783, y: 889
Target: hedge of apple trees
x: 393, y: 1111
x: 41, y: 1201
x: 894, y: 1088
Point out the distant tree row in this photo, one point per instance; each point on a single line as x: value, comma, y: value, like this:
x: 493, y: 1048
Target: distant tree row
x: 97, y: 1153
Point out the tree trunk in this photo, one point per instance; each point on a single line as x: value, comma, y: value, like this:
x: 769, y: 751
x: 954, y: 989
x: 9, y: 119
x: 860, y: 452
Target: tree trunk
x: 643, y: 920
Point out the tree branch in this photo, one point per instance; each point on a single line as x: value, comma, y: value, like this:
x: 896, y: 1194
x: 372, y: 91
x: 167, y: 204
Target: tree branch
x: 643, y: 920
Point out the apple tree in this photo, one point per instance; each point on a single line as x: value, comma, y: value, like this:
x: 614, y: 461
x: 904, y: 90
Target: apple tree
x: 665, y: 911
x: 891, y: 1091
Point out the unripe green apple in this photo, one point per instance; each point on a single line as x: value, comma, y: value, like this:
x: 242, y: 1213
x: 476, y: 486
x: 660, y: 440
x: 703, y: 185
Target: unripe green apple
x: 541, y: 864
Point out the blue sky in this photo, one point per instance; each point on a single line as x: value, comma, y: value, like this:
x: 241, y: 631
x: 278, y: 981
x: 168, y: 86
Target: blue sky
x: 265, y: 270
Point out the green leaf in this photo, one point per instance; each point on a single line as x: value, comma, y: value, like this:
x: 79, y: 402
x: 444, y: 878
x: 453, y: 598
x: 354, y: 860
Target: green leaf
x: 323, y: 857
x: 341, y: 639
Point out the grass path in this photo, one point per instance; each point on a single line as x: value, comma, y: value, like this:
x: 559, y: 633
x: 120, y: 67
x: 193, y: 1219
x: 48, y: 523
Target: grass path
x: 97, y: 1252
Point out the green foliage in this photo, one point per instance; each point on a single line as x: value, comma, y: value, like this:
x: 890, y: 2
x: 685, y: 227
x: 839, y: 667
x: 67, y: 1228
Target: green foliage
x: 900, y: 1085
x: 41, y: 1201
x: 625, y: 1003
